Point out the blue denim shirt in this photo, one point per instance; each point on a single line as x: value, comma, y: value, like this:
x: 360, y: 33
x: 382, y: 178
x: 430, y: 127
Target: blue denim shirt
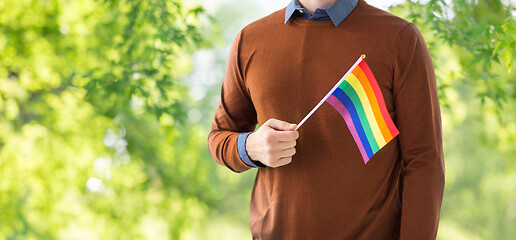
x: 337, y: 13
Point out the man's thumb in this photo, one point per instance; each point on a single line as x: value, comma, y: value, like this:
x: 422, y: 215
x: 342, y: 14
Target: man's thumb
x: 280, y: 125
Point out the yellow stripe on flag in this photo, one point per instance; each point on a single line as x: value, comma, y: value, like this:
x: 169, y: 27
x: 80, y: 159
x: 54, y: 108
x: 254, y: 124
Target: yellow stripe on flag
x: 353, y: 81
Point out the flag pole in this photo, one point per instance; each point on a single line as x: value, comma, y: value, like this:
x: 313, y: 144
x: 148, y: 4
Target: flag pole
x: 331, y: 91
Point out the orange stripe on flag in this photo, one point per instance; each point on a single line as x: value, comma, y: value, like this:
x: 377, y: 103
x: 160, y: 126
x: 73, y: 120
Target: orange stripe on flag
x: 374, y: 103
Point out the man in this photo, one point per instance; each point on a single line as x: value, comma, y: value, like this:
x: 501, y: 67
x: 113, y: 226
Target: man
x: 312, y: 183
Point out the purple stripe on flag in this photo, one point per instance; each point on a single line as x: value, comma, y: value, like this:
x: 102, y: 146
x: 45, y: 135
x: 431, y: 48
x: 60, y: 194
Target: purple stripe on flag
x: 341, y: 109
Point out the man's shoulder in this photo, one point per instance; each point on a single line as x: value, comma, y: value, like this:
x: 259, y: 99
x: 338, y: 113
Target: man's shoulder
x: 399, y: 28
x: 266, y: 24
x: 382, y: 19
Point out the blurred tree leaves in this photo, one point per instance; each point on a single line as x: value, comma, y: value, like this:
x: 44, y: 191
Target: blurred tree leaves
x: 482, y: 33
x: 472, y: 45
x: 93, y: 140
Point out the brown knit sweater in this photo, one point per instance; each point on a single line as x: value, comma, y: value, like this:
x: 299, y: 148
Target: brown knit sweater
x: 282, y: 71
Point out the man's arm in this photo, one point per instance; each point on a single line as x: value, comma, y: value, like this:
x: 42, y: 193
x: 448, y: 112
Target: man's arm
x: 229, y: 140
x: 418, y: 119
x: 235, y: 115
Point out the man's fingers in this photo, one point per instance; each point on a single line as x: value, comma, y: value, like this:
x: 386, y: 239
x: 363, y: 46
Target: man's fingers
x: 280, y: 125
x: 282, y: 162
x: 278, y: 136
x: 280, y: 141
x: 287, y: 153
x: 285, y: 145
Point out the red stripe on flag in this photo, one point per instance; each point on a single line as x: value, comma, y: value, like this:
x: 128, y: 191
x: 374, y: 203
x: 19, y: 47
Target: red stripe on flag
x: 379, y: 97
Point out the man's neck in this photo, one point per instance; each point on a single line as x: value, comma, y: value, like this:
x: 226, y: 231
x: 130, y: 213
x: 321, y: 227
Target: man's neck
x: 311, y: 5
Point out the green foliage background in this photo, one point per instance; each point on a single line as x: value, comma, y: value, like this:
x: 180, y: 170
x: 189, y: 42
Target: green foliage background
x: 105, y: 107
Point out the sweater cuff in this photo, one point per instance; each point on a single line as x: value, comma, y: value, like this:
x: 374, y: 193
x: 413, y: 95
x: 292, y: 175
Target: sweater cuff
x: 242, y: 152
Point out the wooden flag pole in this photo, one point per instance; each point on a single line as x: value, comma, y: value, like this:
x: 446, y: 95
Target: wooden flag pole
x: 331, y: 91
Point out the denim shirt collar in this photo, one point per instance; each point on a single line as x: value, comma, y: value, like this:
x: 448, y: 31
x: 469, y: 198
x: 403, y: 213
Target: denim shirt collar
x: 337, y: 12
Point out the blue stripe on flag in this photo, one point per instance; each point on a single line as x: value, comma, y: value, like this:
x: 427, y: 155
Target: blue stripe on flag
x: 346, y: 101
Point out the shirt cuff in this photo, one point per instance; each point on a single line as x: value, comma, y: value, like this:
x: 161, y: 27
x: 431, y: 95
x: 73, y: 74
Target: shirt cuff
x: 242, y: 152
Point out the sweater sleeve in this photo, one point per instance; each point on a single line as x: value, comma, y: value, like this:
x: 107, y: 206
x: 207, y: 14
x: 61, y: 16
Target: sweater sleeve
x: 235, y: 114
x: 418, y: 119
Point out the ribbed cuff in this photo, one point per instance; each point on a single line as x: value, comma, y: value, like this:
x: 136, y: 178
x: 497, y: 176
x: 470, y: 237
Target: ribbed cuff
x: 242, y: 152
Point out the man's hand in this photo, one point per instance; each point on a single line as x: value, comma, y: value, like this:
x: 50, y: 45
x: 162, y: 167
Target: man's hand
x: 273, y: 143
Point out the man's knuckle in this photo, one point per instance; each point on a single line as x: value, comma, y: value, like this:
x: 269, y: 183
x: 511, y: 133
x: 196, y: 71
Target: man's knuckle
x: 268, y: 149
x: 269, y: 138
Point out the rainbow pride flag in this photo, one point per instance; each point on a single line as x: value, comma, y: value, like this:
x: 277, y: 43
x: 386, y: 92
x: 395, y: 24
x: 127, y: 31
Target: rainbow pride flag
x: 360, y: 102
